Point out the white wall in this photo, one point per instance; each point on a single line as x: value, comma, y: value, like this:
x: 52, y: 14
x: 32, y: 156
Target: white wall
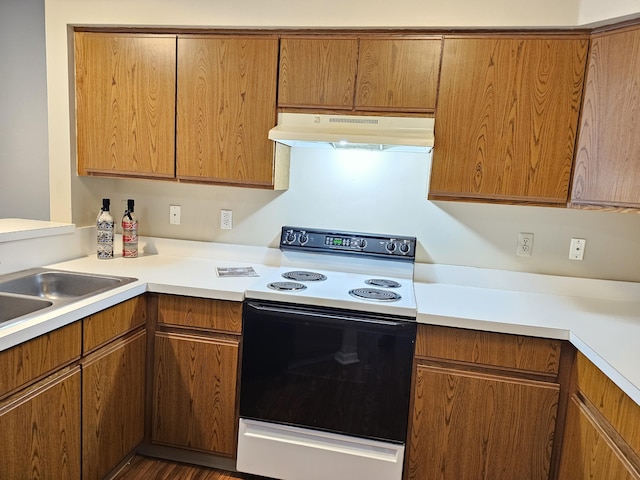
x: 24, y: 166
x: 329, y: 190
x: 597, y: 11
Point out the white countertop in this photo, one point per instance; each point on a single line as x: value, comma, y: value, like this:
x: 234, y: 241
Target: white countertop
x: 601, y: 318
x: 13, y: 229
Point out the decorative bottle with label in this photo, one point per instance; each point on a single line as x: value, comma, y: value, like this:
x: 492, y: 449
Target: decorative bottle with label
x: 104, y: 223
x: 129, y: 232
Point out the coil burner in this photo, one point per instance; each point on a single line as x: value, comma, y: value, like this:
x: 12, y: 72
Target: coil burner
x: 382, y: 282
x: 304, y: 276
x: 286, y: 286
x: 375, y: 294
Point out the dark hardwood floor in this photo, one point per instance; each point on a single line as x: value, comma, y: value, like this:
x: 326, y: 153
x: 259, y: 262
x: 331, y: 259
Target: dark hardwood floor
x: 145, y: 468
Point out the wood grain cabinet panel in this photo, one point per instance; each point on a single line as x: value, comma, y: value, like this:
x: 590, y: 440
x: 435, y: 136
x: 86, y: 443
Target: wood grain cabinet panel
x: 588, y: 451
x: 616, y: 406
x: 602, y: 432
x: 40, y: 430
x: 475, y: 426
x: 195, y: 391
x: 382, y: 74
x: 113, y: 400
x: 398, y: 74
x: 509, y: 352
x: 125, y: 104
x: 226, y: 107
x: 317, y: 72
x: 104, y: 326
x: 35, y: 358
x: 607, y: 170
x: 506, y: 118
x: 193, y: 312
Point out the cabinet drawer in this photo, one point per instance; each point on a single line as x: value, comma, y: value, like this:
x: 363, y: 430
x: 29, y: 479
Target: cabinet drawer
x: 33, y: 359
x: 615, y: 405
x: 193, y: 312
x: 512, y: 352
x: 113, y: 322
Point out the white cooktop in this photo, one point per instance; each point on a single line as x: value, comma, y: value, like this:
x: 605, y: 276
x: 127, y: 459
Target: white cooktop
x: 334, y: 291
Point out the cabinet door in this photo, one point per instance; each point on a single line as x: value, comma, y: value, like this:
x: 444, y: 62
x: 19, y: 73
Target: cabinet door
x: 317, y: 72
x: 474, y: 426
x: 226, y: 107
x: 398, y: 74
x: 40, y: 431
x: 506, y: 119
x: 194, y: 392
x: 125, y: 104
x: 607, y: 170
x: 588, y: 452
x: 113, y: 398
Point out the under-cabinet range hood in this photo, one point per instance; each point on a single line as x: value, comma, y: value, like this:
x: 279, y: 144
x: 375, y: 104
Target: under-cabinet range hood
x: 409, y: 134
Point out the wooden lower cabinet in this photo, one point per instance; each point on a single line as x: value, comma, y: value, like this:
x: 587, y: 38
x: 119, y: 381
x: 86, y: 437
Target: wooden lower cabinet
x: 485, y: 406
x: 29, y: 361
x: 476, y: 426
x: 195, y: 392
x: 602, y: 432
x: 589, y: 452
x: 40, y: 430
x: 113, y: 399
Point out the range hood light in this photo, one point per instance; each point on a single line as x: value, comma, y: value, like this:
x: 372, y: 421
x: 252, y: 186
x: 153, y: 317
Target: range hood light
x: 407, y: 134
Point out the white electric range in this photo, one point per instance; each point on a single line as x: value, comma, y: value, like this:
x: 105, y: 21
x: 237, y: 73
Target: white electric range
x: 328, y: 344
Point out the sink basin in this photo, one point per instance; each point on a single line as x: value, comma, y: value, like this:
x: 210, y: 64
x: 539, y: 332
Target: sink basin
x: 54, y: 285
x: 12, y: 306
x: 25, y: 293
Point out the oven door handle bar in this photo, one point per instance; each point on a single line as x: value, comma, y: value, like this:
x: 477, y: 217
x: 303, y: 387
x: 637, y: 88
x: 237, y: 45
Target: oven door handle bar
x: 325, y: 317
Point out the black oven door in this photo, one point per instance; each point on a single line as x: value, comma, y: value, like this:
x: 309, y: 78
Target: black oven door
x: 333, y: 370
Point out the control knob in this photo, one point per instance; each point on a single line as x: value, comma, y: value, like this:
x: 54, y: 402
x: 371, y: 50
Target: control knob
x: 391, y: 247
x: 304, y: 238
x: 404, y: 248
x: 290, y: 237
x: 360, y: 243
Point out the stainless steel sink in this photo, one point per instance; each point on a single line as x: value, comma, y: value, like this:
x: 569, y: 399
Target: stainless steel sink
x: 13, y: 306
x: 54, y: 285
x: 27, y: 292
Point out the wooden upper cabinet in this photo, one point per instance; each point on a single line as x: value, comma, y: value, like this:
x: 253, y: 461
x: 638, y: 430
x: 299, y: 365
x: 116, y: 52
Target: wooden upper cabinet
x: 226, y: 107
x: 364, y: 74
x: 507, y: 117
x: 317, y: 72
x: 398, y: 74
x: 125, y: 104
x: 607, y: 166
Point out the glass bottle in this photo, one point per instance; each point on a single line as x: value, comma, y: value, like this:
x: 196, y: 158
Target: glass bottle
x: 129, y: 232
x: 104, y: 224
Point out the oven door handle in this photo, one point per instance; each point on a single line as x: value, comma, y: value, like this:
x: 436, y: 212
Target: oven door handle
x: 324, y: 317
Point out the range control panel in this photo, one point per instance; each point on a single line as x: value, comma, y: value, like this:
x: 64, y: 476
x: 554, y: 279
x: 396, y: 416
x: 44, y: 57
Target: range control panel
x: 393, y: 247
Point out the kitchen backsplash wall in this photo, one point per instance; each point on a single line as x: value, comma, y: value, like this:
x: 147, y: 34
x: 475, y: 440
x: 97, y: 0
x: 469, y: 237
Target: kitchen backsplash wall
x: 385, y: 193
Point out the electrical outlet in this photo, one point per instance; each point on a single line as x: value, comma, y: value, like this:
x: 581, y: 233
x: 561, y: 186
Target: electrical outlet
x: 576, y: 248
x: 174, y: 214
x: 525, y: 244
x: 226, y: 219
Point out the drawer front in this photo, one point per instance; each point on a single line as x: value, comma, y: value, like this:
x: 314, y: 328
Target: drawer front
x: 113, y: 322
x: 35, y: 358
x: 193, y: 312
x: 512, y: 352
